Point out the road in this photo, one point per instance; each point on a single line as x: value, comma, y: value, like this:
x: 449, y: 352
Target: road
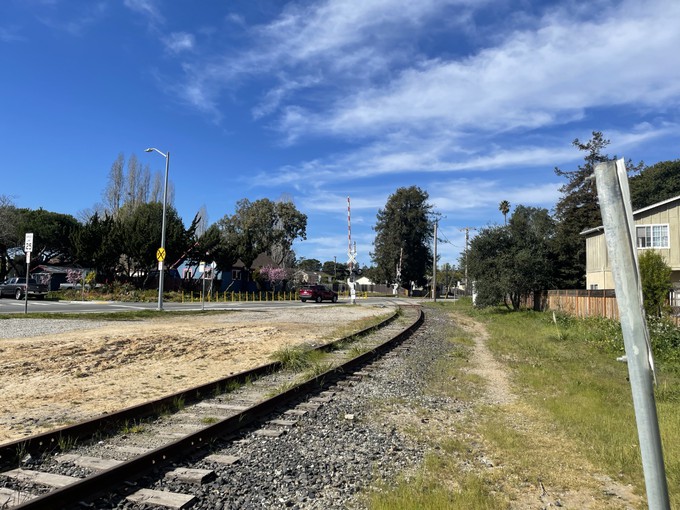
x: 11, y: 306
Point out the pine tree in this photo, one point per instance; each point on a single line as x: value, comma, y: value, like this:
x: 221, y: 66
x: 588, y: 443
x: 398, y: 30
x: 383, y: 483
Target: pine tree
x: 577, y: 210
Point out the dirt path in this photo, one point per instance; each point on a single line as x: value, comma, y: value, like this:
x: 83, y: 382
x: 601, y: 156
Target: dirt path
x: 51, y: 380
x: 580, y: 485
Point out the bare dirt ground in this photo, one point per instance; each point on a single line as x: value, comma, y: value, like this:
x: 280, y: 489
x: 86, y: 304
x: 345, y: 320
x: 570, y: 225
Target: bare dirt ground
x: 51, y: 380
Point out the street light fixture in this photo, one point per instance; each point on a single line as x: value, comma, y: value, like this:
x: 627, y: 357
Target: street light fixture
x: 161, y: 265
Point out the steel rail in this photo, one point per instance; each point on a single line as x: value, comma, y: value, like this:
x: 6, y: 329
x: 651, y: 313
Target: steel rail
x: 99, y: 483
x: 86, y: 429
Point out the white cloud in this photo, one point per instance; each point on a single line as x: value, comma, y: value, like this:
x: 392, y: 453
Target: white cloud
x: 146, y: 7
x: 534, y: 78
x: 178, y: 42
x: 345, y: 41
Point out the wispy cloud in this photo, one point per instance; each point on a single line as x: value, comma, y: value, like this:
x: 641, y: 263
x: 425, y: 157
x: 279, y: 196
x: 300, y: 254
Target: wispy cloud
x: 11, y: 35
x: 74, y: 21
x: 178, y: 42
x: 551, y: 75
x: 343, y: 41
x: 146, y: 7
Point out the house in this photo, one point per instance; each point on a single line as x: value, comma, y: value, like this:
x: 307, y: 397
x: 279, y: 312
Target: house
x: 54, y: 276
x: 657, y: 227
x: 241, y: 278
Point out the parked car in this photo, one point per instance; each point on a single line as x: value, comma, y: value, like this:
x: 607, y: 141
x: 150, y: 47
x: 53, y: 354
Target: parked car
x: 317, y: 293
x: 17, y: 287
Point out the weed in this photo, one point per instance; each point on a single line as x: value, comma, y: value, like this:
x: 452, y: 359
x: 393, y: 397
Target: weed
x: 209, y: 420
x: 66, y: 443
x: 178, y: 403
x: 132, y: 428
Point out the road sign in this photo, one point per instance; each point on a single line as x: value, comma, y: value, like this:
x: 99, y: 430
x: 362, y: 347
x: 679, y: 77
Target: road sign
x: 28, y: 244
x: 160, y: 254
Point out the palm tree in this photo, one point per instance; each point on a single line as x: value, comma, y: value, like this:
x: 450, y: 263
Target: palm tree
x: 504, y: 207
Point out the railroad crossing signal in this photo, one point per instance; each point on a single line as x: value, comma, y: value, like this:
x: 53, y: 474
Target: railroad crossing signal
x: 160, y: 254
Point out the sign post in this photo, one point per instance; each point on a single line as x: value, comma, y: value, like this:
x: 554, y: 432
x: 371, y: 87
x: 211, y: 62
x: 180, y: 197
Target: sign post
x: 28, y: 248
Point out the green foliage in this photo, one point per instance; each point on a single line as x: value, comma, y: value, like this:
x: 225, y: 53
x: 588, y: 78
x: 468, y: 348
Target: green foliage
x: 97, y: 245
x: 504, y: 208
x: 262, y: 226
x: 404, y: 224
x: 655, y: 276
x: 52, y: 234
x: 513, y: 261
x: 655, y: 183
x: 310, y: 265
x: 577, y: 210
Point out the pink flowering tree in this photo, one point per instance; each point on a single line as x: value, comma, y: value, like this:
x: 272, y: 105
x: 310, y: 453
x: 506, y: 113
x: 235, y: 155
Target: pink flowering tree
x: 73, y: 276
x: 274, y: 275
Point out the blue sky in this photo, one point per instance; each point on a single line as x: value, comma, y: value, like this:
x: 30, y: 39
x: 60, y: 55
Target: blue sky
x: 473, y: 101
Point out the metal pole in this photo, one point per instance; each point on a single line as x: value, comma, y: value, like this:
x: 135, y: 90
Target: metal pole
x: 618, y: 223
x: 434, y: 266
x: 28, y: 267
x: 161, y: 278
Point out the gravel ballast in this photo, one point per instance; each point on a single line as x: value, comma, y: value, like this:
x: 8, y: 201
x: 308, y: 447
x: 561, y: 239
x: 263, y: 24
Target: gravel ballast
x: 332, y: 456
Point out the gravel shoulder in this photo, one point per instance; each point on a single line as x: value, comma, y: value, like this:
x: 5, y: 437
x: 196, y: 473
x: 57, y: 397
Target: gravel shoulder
x: 55, y: 372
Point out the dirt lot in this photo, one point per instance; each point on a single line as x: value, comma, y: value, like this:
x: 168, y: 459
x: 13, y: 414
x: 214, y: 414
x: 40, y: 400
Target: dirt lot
x: 51, y: 379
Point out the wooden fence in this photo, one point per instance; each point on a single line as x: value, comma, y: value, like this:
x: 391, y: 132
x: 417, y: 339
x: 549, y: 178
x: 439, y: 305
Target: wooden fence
x: 584, y: 303
x: 591, y: 303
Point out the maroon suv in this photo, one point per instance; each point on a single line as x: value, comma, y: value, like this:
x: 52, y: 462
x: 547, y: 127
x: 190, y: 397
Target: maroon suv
x: 317, y: 293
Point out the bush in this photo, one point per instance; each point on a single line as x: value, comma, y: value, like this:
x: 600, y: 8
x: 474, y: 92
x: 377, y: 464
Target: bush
x: 656, y: 283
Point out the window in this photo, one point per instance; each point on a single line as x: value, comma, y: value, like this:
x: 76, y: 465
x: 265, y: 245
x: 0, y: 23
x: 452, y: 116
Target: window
x: 235, y: 274
x: 593, y: 286
x: 652, y: 236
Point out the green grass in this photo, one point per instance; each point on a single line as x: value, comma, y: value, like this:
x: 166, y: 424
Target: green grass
x: 569, y: 372
x: 297, y: 358
x: 573, y: 417
x: 425, y: 493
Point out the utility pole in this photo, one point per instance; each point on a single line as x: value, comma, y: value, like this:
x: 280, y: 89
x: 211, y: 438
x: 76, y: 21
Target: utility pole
x: 467, y: 241
x: 434, y: 265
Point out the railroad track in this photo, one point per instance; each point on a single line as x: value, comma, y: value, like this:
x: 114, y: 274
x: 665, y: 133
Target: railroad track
x: 153, y: 438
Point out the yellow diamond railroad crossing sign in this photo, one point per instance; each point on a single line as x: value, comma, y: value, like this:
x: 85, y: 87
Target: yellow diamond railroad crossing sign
x: 160, y: 254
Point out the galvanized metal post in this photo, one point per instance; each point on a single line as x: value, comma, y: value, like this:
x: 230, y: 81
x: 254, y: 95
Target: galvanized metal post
x: 612, y: 191
x: 434, y: 266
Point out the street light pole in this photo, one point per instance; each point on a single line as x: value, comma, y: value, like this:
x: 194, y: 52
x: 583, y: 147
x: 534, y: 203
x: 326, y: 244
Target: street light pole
x: 161, y: 265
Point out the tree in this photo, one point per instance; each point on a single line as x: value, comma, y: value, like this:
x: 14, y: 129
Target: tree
x: 263, y: 227
x: 655, y: 276
x: 655, y: 183
x: 52, y: 235
x: 140, y: 234
x: 125, y: 191
x: 404, y: 223
x: 578, y: 210
x: 515, y: 261
x: 97, y: 245
x: 9, y: 234
x: 113, y: 193
x: 489, y: 261
x: 504, y: 208
x: 309, y: 265
x: 338, y: 269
